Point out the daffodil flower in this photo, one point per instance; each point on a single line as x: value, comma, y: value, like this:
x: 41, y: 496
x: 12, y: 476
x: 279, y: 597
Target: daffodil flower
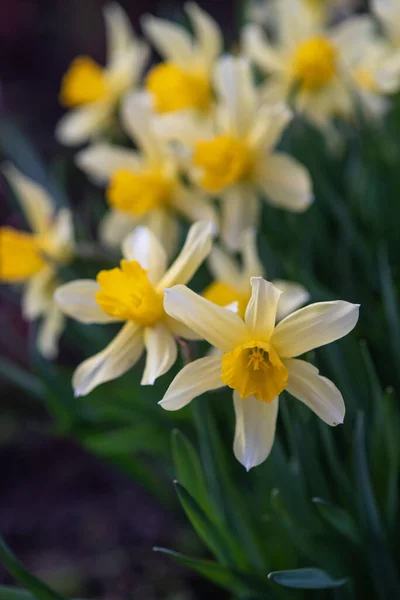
x: 235, y: 159
x: 133, y: 294
x: 32, y: 259
x: 388, y: 14
x: 92, y: 92
x: 308, y: 59
x: 257, y: 360
x: 232, y: 283
x: 183, y: 80
x: 144, y: 186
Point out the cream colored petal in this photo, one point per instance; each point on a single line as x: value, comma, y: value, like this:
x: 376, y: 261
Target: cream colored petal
x: 388, y: 12
x: 50, y: 330
x: 34, y: 200
x: 197, y: 378
x: 38, y: 294
x: 236, y: 89
x: 217, y: 325
x: 77, y: 299
x: 165, y: 226
x: 114, y: 227
x: 80, y: 124
x: 62, y: 233
x: 293, y: 296
x: 137, y: 119
x: 115, y: 360
x: 314, y: 326
x: 143, y: 246
x: 207, y: 33
x: 388, y: 75
x: 125, y: 73
x: 240, y: 211
x: 261, y: 310
x: 285, y: 182
x: 170, y: 40
x: 161, y: 351
x: 252, y: 266
x: 255, y: 429
x: 119, y: 32
x: 269, y: 124
x: 223, y: 267
x: 180, y: 330
x: 353, y: 33
x: 195, y: 250
x: 194, y: 205
x: 259, y: 49
x: 316, y: 392
x: 100, y: 161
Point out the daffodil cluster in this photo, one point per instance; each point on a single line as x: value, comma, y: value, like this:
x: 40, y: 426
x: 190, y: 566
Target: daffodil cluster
x: 199, y: 151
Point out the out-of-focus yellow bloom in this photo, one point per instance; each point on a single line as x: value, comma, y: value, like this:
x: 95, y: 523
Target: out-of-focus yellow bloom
x: 133, y: 294
x: 257, y: 360
x: 183, y: 81
x: 91, y: 91
x: 234, y: 158
x: 232, y: 282
x: 144, y: 186
x: 309, y: 59
x: 32, y: 258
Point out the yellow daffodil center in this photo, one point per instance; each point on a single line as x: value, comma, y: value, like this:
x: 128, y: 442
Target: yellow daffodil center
x: 365, y: 80
x: 138, y: 193
x: 126, y: 293
x: 84, y: 82
x: 314, y: 63
x: 254, y: 369
x: 20, y: 255
x: 175, y: 89
x: 223, y: 294
x: 223, y: 160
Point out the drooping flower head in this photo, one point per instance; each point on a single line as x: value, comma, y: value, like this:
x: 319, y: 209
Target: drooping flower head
x: 144, y: 186
x: 132, y: 294
x: 92, y: 92
x: 32, y: 258
x: 257, y: 360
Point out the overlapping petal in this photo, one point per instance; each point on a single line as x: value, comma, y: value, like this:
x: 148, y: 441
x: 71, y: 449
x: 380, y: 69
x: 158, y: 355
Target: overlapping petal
x: 77, y: 299
x: 143, y: 246
x: 161, y: 351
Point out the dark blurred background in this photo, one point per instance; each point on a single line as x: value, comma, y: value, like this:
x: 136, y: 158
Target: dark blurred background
x: 75, y: 522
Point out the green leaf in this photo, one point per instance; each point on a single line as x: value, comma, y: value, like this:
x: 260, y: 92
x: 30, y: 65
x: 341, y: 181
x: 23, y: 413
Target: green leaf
x: 24, y: 380
x: 189, y: 470
x: 339, y: 519
x: 306, y: 579
x: 233, y: 580
x: 13, y: 593
x: 40, y: 590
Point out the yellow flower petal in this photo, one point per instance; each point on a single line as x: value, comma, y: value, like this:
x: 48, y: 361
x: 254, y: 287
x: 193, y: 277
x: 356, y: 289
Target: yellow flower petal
x: 20, y: 256
x: 83, y: 83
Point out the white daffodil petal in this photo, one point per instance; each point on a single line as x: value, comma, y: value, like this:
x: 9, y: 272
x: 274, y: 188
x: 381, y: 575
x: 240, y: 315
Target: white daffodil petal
x: 240, y: 210
x: 80, y: 124
x: 255, y: 429
x: 34, y: 200
x: 62, y: 231
x: 143, y: 246
x: 194, y: 205
x: 115, y: 360
x: 261, y: 310
x: 269, y: 122
x: 171, y: 40
x: 293, y: 296
x: 180, y: 330
x: 196, y: 248
x: 252, y: 266
x: 38, y: 294
x: 207, y: 32
x: 285, y: 182
x: 50, y: 329
x: 219, y: 326
x: 114, y: 227
x: 100, y: 161
x: 316, y: 392
x: 165, y: 226
x: 258, y: 48
x: 223, y: 267
x: 137, y: 119
x: 196, y: 378
x: 161, y: 350
x: 119, y: 32
x: 77, y: 299
x: 314, y: 326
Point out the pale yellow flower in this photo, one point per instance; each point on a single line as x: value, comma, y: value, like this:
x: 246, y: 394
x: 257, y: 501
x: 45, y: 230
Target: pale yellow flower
x: 92, y: 92
x: 257, y: 360
x: 234, y: 159
x: 144, y: 186
x: 308, y: 59
x: 183, y: 80
x: 32, y: 259
x: 132, y: 294
x: 232, y: 282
